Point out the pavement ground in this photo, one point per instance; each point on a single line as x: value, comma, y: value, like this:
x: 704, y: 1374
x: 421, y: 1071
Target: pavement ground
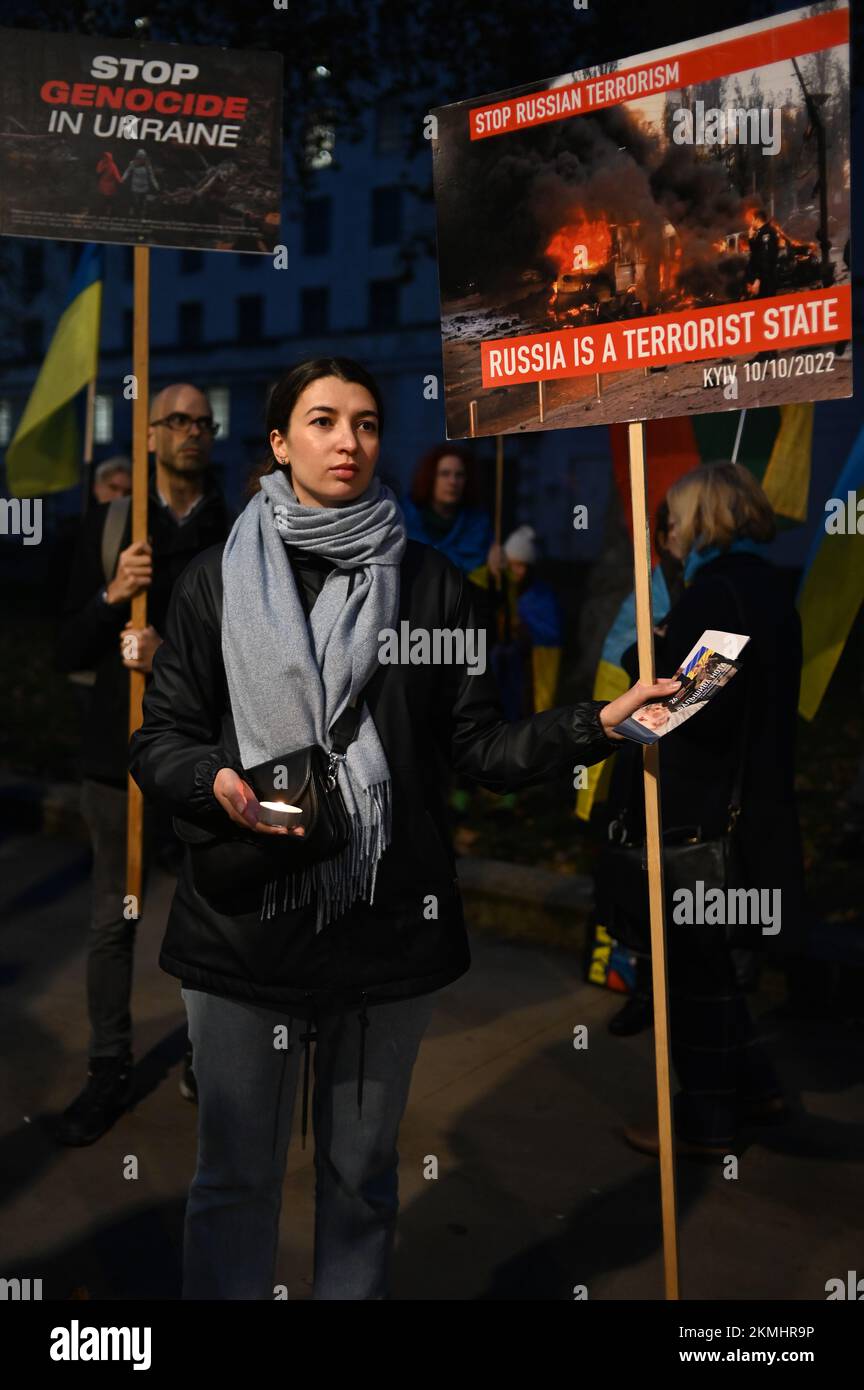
x: 536, y: 1191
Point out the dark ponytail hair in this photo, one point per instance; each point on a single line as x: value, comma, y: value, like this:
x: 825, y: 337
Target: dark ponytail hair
x: 284, y: 394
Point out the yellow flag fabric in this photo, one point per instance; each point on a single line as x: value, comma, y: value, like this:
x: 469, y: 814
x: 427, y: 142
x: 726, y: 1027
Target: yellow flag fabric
x: 609, y: 682
x: 545, y: 665
x: 480, y: 576
x: 786, y: 480
x: 45, y: 453
x: 832, y: 590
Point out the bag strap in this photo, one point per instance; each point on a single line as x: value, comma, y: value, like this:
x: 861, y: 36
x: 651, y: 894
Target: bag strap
x: 112, y: 534
x: 738, y: 781
x: 344, y: 731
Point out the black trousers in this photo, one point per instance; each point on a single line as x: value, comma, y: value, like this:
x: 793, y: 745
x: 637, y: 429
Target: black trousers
x: 111, y: 932
x: 718, y: 1060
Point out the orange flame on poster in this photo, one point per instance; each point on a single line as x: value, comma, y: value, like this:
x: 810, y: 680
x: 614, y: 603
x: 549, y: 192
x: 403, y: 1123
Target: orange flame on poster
x: 581, y: 245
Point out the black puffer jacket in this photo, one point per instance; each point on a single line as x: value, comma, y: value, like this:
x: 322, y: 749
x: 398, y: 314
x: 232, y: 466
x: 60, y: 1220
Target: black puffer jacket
x: 429, y: 719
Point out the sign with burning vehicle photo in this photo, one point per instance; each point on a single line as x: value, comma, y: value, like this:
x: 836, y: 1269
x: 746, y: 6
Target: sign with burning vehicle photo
x: 667, y: 236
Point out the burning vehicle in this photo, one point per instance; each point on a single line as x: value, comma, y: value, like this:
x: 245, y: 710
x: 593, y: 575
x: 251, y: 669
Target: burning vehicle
x: 798, y: 262
x: 619, y: 270
x: 606, y: 272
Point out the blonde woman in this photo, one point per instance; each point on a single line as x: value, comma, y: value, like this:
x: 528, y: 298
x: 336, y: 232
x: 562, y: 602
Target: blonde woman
x: 720, y: 522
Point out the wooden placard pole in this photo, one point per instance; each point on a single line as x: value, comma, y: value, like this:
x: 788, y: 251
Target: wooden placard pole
x: 653, y: 841
x: 137, y: 679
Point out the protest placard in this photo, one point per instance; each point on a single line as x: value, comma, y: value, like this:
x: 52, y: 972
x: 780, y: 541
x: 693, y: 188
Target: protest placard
x: 147, y: 143
x: 666, y: 238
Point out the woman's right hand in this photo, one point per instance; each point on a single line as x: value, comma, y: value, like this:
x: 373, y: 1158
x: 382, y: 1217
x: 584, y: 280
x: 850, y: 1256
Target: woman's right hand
x: 638, y: 695
x: 238, y: 800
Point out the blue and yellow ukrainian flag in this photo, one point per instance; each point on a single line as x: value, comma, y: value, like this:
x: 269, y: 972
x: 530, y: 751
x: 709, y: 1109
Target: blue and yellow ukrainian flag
x: 45, y: 453
x: 611, y: 680
x: 832, y: 589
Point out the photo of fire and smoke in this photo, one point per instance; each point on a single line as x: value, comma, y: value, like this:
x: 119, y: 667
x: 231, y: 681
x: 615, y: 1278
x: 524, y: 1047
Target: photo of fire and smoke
x: 727, y: 192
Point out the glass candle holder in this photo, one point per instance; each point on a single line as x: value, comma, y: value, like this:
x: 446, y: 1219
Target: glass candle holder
x: 279, y: 813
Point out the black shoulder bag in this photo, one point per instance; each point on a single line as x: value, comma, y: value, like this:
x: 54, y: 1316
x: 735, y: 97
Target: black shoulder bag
x: 688, y: 859
x: 230, y: 871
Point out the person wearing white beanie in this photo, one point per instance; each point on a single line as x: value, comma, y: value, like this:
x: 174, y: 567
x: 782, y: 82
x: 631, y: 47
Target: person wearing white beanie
x: 521, y: 545
x: 527, y: 662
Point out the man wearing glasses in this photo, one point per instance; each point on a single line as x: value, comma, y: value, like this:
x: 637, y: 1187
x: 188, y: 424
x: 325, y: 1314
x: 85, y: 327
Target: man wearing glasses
x: 186, y: 513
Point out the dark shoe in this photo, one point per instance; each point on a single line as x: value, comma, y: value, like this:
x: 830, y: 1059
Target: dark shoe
x: 774, y: 1111
x: 637, y: 1013
x: 646, y: 1139
x: 110, y: 1084
x: 188, y: 1084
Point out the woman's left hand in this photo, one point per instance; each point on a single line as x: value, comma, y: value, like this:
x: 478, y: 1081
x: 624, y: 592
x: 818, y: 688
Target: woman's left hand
x: 138, y: 646
x: 639, y: 694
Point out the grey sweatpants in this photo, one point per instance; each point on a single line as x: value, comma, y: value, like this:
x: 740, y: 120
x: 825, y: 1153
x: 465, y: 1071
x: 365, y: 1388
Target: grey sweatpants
x: 246, y: 1090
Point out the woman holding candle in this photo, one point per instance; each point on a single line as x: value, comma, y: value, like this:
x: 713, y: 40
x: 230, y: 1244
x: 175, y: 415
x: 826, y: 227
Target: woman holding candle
x: 268, y: 642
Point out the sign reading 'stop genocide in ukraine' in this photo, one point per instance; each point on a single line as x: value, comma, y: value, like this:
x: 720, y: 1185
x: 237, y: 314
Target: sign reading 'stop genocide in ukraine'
x: 666, y: 237
x: 157, y: 144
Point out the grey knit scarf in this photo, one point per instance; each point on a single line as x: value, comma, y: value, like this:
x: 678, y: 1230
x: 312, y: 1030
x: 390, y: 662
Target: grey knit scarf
x: 289, y: 679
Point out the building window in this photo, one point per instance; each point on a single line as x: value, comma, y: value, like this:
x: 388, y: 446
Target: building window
x: 190, y: 323
x: 320, y: 144
x: 250, y: 318
x: 314, y: 311
x: 389, y: 126
x: 316, y: 226
x: 220, y: 403
x: 386, y: 216
x: 103, y: 419
x: 32, y: 270
x: 31, y: 337
x: 191, y: 261
x: 5, y: 421
x: 384, y: 304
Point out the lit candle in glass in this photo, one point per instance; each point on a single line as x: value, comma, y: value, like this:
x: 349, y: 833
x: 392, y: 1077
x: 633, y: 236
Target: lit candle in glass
x: 279, y: 812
